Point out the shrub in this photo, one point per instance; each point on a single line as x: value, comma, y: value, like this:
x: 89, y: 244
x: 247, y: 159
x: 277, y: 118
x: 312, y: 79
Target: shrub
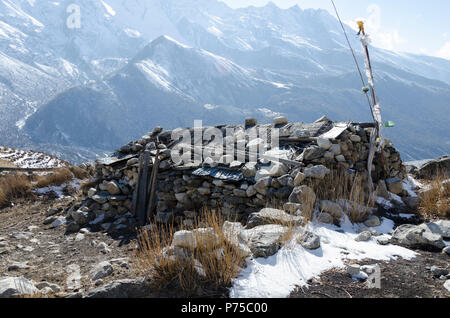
x: 208, y: 267
x: 339, y: 184
x: 13, y: 186
x: 79, y: 173
x: 434, y: 201
x: 55, y: 178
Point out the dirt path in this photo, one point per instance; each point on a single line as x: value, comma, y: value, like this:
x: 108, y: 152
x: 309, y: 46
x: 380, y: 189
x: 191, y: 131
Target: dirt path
x: 38, y: 252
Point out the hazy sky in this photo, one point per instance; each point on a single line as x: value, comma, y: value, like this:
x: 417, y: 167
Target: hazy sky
x: 416, y: 26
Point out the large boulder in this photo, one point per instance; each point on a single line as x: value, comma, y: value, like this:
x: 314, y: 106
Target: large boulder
x: 272, y: 216
x: 126, y: 288
x: 441, y: 227
x: 418, y: 236
x: 16, y: 286
x: 435, y: 167
x: 265, y: 241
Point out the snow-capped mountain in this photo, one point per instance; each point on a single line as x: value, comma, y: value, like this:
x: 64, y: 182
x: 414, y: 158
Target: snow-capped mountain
x: 134, y: 64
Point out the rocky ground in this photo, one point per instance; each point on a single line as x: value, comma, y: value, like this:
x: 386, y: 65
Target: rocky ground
x: 399, y: 279
x: 33, y: 244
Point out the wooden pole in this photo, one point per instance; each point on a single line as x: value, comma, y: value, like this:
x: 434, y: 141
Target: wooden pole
x: 152, y: 188
x: 143, y: 190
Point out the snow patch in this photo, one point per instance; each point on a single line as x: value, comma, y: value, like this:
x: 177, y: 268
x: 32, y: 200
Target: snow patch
x: 277, y: 276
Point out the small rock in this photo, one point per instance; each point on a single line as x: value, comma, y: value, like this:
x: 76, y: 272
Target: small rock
x: 317, y: 172
x: 79, y: 237
x: 58, y: 222
x: 438, y: 271
x: 395, y: 185
x: 447, y: 285
x: 113, y: 188
x: 299, y: 178
x: 310, y: 241
x: 102, y: 270
x: 17, y: 266
x: 324, y: 143
x: 325, y: 218
x: 249, y: 170
x: 101, y: 246
x: 332, y: 208
x: 446, y: 250
x: 340, y: 158
x: 372, y: 221
x: 21, y: 235
x: 382, y: 240
x: 54, y: 288
x: 354, y: 269
x: 363, y: 236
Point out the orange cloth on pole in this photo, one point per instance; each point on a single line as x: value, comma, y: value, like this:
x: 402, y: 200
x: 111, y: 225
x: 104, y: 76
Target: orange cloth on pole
x: 361, y: 27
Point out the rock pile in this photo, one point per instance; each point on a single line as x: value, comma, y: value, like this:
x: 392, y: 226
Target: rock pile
x: 230, y: 182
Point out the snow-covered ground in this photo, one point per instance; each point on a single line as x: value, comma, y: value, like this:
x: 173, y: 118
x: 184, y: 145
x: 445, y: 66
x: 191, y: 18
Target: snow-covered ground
x: 293, y: 265
x: 75, y: 183
x: 30, y: 159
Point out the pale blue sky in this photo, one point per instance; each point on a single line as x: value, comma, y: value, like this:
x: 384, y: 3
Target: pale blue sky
x: 416, y: 26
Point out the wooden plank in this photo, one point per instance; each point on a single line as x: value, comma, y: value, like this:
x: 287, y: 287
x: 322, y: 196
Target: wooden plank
x: 28, y: 169
x: 153, y: 184
x: 136, y: 191
x: 142, y: 202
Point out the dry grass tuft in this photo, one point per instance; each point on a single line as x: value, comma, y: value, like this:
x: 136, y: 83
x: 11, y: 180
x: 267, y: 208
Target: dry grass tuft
x: 339, y: 184
x: 79, y: 173
x: 13, y: 186
x: 435, y: 200
x: 6, y: 164
x: 207, y: 267
x: 55, y: 178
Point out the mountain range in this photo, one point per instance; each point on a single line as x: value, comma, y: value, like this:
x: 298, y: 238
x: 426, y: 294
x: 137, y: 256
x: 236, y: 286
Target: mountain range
x: 80, y: 93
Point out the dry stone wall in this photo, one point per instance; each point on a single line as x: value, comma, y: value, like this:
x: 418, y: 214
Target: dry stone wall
x: 237, y: 188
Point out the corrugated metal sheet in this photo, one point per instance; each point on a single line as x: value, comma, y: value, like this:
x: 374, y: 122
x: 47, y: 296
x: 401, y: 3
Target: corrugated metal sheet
x: 219, y: 174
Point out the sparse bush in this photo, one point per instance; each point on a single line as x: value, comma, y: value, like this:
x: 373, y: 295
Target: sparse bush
x: 13, y: 186
x: 339, y: 184
x: 434, y: 201
x: 55, y: 178
x: 79, y: 173
x: 209, y: 266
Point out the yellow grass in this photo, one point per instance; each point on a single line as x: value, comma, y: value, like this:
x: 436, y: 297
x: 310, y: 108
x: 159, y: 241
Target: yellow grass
x: 219, y: 260
x: 6, y: 164
x: 341, y: 185
x: 55, y: 178
x: 13, y: 186
x: 79, y: 173
x: 435, y: 201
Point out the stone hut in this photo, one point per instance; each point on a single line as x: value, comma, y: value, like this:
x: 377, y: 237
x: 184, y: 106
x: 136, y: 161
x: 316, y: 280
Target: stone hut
x: 143, y: 180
